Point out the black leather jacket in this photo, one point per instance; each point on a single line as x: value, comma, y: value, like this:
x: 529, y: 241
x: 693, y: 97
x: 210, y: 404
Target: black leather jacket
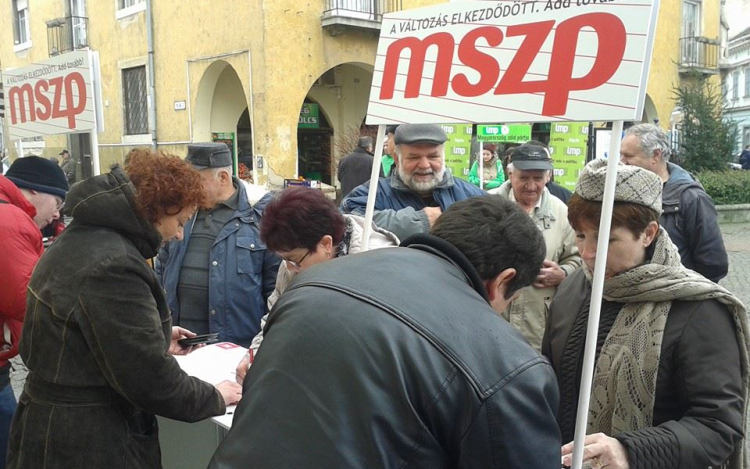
x: 393, y: 359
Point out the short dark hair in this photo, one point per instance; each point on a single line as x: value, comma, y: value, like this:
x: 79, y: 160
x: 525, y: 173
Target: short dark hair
x: 364, y: 142
x: 494, y: 234
x: 587, y: 213
x: 299, y: 217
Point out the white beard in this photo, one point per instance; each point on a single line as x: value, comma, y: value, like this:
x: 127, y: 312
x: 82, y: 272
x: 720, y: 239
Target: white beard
x: 423, y: 187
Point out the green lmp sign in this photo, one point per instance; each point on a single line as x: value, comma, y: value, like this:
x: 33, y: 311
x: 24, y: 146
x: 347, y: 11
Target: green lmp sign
x: 567, y: 144
x: 512, y: 133
x: 309, y: 116
x: 458, y: 149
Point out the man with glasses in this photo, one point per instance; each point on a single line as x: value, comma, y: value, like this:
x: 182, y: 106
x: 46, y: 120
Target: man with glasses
x: 32, y: 193
x: 219, y: 276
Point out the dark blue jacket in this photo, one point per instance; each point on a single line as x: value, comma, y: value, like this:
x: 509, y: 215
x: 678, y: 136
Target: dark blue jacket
x: 243, y: 279
x: 398, y: 208
x: 690, y: 218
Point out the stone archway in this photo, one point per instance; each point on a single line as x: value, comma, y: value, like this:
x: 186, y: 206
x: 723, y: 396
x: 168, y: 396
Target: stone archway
x: 341, y: 94
x: 220, y: 103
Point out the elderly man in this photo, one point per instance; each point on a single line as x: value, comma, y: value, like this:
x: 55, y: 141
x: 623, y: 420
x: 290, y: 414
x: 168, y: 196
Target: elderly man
x: 418, y: 190
x: 529, y: 171
x: 31, y: 196
x: 397, y: 358
x: 220, y: 275
x: 688, y: 213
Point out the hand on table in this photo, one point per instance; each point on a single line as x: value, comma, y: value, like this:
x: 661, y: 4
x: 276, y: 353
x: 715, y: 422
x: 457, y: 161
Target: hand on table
x: 230, y: 391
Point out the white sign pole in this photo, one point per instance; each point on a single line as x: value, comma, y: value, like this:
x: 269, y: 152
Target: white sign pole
x: 480, y: 166
x: 374, y: 177
x: 592, y: 331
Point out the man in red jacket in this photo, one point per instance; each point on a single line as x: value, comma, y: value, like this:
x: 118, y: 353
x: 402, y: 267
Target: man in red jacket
x: 31, y: 196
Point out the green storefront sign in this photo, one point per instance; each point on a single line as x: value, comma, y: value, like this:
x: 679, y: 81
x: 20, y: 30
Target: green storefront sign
x: 567, y: 144
x: 309, y: 116
x: 511, y: 133
x: 458, y: 149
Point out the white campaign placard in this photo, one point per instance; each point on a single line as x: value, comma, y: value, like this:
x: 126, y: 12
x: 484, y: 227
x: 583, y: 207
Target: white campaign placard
x: 513, y: 61
x: 55, y: 96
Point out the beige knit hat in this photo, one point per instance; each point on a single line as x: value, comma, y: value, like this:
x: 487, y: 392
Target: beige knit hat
x: 634, y: 184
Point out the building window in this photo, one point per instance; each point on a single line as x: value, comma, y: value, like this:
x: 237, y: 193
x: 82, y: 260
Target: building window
x: 735, y: 84
x: 128, y: 3
x: 747, y: 82
x: 21, y: 33
x: 135, y: 100
x: 691, y: 18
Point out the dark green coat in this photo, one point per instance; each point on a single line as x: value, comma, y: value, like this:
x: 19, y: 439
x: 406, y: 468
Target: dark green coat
x: 95, y: 340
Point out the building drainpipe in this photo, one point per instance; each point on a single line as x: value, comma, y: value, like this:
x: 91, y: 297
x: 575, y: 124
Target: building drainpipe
x: 151, y: 73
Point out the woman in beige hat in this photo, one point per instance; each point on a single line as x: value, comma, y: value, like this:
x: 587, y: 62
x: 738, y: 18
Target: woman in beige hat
x: 671, y: 372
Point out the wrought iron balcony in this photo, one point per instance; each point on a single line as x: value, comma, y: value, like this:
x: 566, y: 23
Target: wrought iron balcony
x: 67, y: 34
x: 699, y: 54
x: 357, y: 14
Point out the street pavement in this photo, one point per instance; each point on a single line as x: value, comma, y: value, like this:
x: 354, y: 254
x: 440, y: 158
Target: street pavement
x: 737, y: 241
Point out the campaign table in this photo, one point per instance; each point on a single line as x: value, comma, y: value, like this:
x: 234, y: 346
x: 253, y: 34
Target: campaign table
x: 191, y: 445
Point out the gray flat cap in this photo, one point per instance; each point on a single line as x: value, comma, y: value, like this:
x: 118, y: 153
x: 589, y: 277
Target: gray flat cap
x: 209, y: 155
x: 531, y: 157
x: 635, y: 185
x: 420, y: 133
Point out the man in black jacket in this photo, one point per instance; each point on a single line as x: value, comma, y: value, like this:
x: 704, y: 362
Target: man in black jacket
x: 397, y: 358
x: 688, y: 213
x: 356, y: 167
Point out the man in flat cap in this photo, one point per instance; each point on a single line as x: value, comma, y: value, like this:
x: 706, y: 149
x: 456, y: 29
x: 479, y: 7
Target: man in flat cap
x: 31, y: 197
x: 69, y: 166
x: 688, y: 213
x: 220, y: 275
x: 418, y: 190
x: 529, y: 171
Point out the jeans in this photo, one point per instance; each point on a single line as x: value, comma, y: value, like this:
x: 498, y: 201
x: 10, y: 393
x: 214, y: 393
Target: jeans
x: 7, y: 409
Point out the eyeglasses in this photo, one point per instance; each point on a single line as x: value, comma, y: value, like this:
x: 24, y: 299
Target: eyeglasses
x: 60, y: 203
x: 296, y: 264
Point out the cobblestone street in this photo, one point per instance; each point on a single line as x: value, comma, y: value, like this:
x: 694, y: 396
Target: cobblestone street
x: 737, y: 242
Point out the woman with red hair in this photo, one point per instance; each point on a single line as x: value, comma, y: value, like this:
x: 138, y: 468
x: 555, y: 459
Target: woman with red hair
x: 97, y: 338
x: 305, y: 228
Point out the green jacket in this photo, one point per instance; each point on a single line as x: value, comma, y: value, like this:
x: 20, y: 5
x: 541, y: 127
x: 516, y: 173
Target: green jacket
x: 499, y: 178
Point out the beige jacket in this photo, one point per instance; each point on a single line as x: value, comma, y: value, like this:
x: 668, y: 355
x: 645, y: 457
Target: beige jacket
x: 528, y: 312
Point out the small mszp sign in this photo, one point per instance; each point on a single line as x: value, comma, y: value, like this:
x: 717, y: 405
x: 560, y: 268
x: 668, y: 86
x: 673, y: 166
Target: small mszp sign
x: 514, y: 61
x: 54, y: 96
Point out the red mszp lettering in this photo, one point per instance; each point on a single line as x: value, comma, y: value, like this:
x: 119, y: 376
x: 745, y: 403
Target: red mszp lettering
x: 418, y: 47
x: 485, y: 64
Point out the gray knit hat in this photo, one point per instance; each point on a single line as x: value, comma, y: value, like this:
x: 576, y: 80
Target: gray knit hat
x: 634, y: 184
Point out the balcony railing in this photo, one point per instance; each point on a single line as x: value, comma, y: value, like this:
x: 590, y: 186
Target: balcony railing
x: 699, y: 53
x: 363, y: 14
x: 67, y: 34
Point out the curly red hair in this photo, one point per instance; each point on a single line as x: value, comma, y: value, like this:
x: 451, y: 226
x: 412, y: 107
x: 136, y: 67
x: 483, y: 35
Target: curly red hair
x: 165, y: 184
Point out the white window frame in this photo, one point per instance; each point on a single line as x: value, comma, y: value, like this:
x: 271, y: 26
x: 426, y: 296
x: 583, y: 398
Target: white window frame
x: 21, y: 6
x: 698, y: 26
x: 735, y: 85
x: 135, y: 7
x: 747, y: 82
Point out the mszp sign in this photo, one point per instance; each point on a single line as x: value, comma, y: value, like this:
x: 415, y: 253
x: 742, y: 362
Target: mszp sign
x: 513, y: 62
x: 51, y: 97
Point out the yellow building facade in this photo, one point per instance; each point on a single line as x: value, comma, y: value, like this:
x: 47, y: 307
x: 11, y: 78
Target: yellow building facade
x: 246, y: 72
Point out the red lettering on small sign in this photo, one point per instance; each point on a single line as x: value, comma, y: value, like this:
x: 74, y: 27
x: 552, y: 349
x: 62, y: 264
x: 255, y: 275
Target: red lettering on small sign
x: 72, y: 87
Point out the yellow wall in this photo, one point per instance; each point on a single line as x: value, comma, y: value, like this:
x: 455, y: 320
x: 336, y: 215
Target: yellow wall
x: 276, y: 50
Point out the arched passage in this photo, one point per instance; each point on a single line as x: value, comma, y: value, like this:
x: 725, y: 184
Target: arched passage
x: 220, y: 105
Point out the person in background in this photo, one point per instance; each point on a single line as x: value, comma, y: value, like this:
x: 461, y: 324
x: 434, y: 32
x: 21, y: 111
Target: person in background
x: 671, y: 372
x: 745, y: 158
x: 389, y: 150
x: 418, y: 190
x: 397, y: 358
x: 31, y: 195
x: 304, y: 228
x: 55, y: 160
x: 688, y: 213
x: 98, y: 338
x: 356, y: 167
x: 493, y: 174
x: 529, y: 170
x: 219, y: 277
x: 554, y: 188
x: 69, y: 166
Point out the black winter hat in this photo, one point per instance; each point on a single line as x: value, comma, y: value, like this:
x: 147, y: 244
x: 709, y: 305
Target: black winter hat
x: 38, y: 174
